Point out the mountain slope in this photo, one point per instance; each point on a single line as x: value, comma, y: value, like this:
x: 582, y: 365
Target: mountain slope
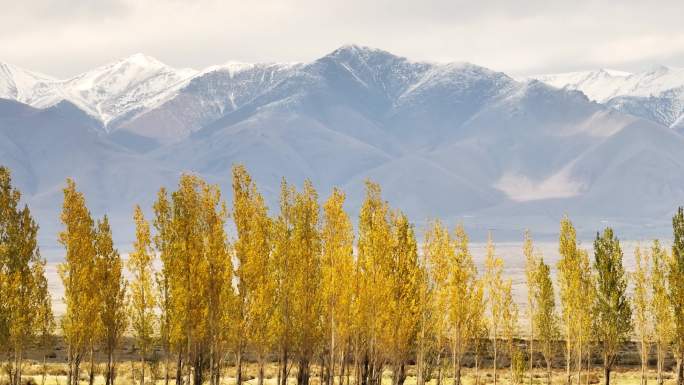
x: 455, y: 140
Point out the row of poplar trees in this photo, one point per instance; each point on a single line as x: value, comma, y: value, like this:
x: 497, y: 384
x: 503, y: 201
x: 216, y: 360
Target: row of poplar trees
x: 299, y: 288
x: 25, y: 305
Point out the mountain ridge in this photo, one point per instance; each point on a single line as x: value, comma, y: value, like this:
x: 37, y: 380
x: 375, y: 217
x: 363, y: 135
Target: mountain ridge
x: 456, y: 141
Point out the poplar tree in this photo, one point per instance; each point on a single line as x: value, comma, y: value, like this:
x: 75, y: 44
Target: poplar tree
x: 642, y: 298
x: 23, y: 287
x: 142, y: 290
x: 283, y: 266
x: 306, y: 307
x: 78, y: 274
x: 676, y: 287
x: 337, y: 269
x: 218, y: 288
x: 252, y: 248
x: 613, y: 312
x: 432, y: 321
x: 496, y: 298
x: 544, y: 315
x: 663, y: 323
x: 163, y: 241
x: 113, y: 311
x: 459, y: 292
x: 45, y: 317
x: 583, y: 314
x: 509, y: 323
x: 439, y: 252
x: 404, y: 290
x: 374, y: 250
x: 531, y: 265
x: 569, y: 285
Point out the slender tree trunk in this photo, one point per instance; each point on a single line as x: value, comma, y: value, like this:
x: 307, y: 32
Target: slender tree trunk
x: 606, y: 375
x: 332, y: 350
x: 402, y: 374
x: 568, y: 354
x: 343, y: 367
x: 420, y: 358
x: 260, y: 375
x: 142, y: 367
x: 579, y: 364
x: 42, y: 381
x: 513, y: 380
x: 211, y: 364
x: 238, y: 367
x: 531, y: 354
x: 70, y: 365
x: 77, y: 369
x: 91, y: 373
x: 549, y: 372
x: 179, y: 368
x: 17, y: 367
x: 496, y: 351
x: 284, y: 359
x: 588, y: 364
x: 303, y: 372
x: 661, y: 357
x: 477, y: 367
x: 166, y: 366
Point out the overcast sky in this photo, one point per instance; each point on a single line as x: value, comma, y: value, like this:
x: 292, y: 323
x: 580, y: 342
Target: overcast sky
x: 65, y: 37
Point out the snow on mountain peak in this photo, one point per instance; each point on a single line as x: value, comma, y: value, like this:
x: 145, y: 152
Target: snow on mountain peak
x: 656, y: 94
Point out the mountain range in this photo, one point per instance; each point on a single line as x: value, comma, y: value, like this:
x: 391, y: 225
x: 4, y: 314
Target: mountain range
x: 450, y: 140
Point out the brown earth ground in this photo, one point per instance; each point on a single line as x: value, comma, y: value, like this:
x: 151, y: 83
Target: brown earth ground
x: 627, y: 371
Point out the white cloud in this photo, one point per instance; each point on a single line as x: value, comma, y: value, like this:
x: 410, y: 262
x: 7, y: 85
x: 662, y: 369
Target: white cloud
x: 64, y: 37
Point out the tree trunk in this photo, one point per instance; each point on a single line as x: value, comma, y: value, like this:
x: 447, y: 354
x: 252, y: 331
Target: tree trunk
x: 166, y: 366
x: 457, y: 373
x: 91, y: 374
x: 238, y: 367
x: 549, y: 372
x: 531, y: 354
x: 260, y: 375
x: 331, y: 376
x: 568, y: 355
x: 402, y: 374
x: 661, y: 357
x: 606, y: 375
x: 303, y: 372
x: 198, y: 373
x: 179, y: 369
x: 42, y: 381
x: 579, y: 365
x: 496, y: 351
x: 284, y: 359
x: 680, y: 371
x: 477, y: 367
x: 211, y: 364
x: 70, y: 365
x: 343, y: 367
x: 142, y: 368
x: 77, y: 370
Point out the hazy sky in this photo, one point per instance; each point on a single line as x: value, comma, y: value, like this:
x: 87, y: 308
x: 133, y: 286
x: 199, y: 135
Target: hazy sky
x: 64, y: 37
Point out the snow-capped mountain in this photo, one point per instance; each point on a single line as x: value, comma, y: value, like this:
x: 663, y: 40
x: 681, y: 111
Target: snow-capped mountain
x: 657, y: 94
x: 108, y: 93
x: 27, y: 87
x: 456, y: 141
